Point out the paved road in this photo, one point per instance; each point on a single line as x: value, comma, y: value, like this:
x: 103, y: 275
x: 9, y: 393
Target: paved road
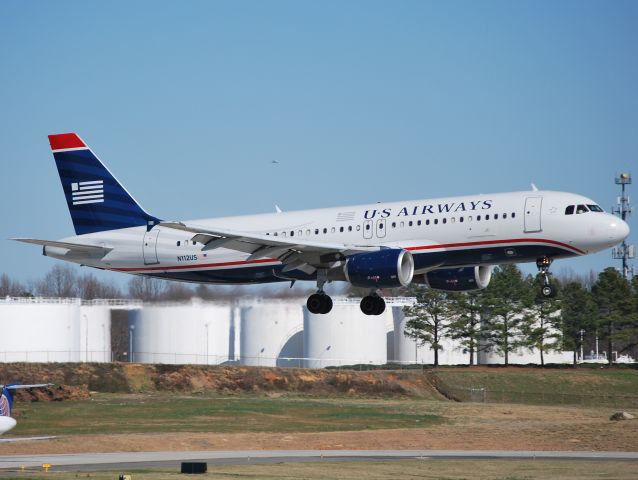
x: 132, y: 460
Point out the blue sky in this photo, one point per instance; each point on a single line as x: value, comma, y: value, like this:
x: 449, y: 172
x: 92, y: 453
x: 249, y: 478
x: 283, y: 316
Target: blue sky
x: 359, y: 101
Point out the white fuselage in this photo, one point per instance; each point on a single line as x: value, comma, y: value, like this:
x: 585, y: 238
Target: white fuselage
x: 445, y: 232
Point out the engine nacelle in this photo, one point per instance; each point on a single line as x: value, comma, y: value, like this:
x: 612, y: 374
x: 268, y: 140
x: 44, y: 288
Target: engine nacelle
x: 459, y: 279
x: 388, y: 268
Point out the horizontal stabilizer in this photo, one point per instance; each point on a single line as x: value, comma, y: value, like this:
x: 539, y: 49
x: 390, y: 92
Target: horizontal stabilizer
x: 78, y: 248
x: 34, y: 385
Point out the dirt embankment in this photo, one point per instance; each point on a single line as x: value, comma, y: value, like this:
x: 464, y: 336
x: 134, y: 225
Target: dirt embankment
x: 76, y: 380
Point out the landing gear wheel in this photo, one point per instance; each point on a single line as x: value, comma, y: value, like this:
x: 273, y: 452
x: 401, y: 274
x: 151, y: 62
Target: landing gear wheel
x: 372, y: 305
x: 319, y: 303
x: 548, y: 291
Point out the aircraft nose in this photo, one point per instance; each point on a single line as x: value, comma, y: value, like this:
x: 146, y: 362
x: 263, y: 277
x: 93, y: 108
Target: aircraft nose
x: 618, y: 230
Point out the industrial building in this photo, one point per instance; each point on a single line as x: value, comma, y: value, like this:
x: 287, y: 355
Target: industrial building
x: 254, y: 332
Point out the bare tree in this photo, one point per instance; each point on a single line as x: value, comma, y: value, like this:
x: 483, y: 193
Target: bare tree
x: 148, y: 289
x: 60, y: 281
x: 11, y: 288
x: 89, y: 287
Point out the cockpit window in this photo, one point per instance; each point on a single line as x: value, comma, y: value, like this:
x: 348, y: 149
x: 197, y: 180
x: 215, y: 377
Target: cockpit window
x: 581, y: 209
x: 569, y: 210
x: 595, y: 208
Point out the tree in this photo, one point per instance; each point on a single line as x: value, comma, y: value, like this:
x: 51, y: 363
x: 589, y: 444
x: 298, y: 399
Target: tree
x: 11, y: 288
x: 89, y: 287
x: 427, y: 318
x: 507, y: 299
x: 578, y: 315
x: 543, y: 330
x: 616, y: 311
x: 146, y: 288
x: 466, y: 311
x: 61, y: 281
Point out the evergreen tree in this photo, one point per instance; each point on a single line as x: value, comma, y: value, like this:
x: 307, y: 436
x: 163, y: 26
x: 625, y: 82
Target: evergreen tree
x: 507, y: 299
x: 465, y: 311
x: 578, y: 316
x: 427, y: 319
x: 616, y: 311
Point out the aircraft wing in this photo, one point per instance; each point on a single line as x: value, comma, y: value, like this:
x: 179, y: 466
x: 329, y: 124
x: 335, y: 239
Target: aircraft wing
x: 75, y: 248
x: 295, y: 253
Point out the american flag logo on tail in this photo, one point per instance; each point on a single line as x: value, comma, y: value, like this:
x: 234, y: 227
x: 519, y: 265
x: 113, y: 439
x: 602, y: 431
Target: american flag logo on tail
x: 87, y: 192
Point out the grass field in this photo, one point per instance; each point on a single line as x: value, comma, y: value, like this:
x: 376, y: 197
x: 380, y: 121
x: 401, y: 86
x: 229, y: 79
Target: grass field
x: 388, y: 470
x: 584, y: 386
x: 164, y: 412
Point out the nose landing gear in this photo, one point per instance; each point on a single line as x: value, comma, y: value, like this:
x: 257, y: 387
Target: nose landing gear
x: 547, y: 290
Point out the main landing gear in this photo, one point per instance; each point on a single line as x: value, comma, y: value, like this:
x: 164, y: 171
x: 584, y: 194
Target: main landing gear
x: 321, y: 303
x: 372, y: 304
x: 547, y: 290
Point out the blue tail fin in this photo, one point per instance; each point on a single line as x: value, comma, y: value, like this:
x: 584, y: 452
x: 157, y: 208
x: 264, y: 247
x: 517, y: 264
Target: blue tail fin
x: 96, y: 200
x: 6, y: 402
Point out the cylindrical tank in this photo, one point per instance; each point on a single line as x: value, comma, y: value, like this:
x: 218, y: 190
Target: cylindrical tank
x: 269, y: 332
x: 192, y: 333
x: 345, y: 336
x: 95, y: 333
x: 39, y: 330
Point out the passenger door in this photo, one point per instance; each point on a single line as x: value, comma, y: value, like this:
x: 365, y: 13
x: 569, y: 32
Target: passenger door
x: 533, y: 214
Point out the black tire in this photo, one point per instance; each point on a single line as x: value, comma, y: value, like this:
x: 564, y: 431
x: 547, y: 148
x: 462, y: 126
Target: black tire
x: 548, y: 291
x: 315, y: 303
x: 368, y: 305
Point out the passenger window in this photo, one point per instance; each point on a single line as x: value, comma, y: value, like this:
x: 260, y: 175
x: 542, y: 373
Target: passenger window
x: 333, y: 230
x: 504, y: 216
x: 349, y: 228
x: 513, y: 215
x: 418, y: 222
x: 427, y: 222
x: 445, y: 220
x: 478, y: 218
x: 452, y: 220
x: 381, y: 226
x: 325, y: 230
x: 569, y: 210
x: 436, y: 221
x: 300, y: 233
x: 178, y: 243
x: 275, y: 234
x: 581, y: 209
x: 461, y: 219
x: 410, y: 223
x: 308, y: 232
x: 358, y: 228
x: 316, y: 231
x: 341, y: 229
x: 401, y: 224
x: 292, y: 233
x: 496, y: 216
x: 487, y: 217
x: 394, y: 224
x: 283, y: 234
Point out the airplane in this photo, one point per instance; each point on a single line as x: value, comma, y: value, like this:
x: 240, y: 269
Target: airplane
x: 450, y: 243
x: 6, y: 403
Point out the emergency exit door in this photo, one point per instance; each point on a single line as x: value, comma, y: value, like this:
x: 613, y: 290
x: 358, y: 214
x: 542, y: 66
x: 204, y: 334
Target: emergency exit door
x: 150, y: 247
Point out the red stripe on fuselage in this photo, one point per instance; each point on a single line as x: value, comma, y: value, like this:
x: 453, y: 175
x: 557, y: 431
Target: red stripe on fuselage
x: 425, y: 247
x: 61, y: 141
x: 496, y: 242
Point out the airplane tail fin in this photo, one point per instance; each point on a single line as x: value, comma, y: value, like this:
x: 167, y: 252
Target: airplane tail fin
x: 6, y: 402
x: 96, y: 200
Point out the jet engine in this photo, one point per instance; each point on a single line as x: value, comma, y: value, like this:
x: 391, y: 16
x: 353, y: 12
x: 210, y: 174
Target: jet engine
x: 387, y: 268
x: 459, y: 279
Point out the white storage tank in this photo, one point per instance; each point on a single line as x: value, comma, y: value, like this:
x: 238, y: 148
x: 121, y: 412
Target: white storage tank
x: 39, y: 330
x: 345, y: 336
x: 191, y: 333
x: 271, y: 333
x: 95, y: 332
